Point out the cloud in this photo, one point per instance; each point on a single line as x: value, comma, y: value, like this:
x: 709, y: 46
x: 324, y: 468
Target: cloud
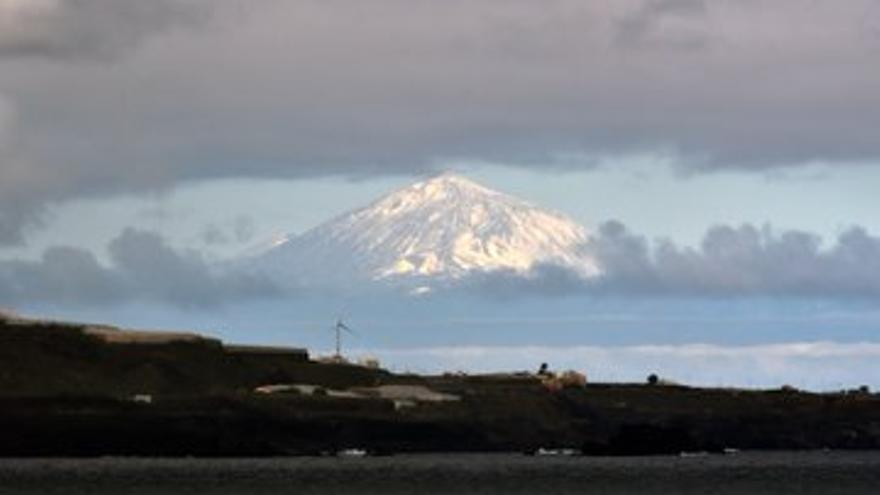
x: 310, y: 88
x: 240, y: 230
x: 214, y: 235
x: 665, y: 24
x: 243, y: 228
x: 63, y: 275
x: 89, y: 29
x: 143, y: 268
x: 17, y: 208
x: 745, y: 261
x: 6, y: 124
x: 822, y: 366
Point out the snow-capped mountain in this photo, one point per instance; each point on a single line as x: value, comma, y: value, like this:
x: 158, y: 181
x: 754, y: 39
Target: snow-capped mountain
x: 432, y: 232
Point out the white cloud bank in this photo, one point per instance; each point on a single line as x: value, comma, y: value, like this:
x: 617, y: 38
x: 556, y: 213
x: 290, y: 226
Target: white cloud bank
x: 819, y: 366
x: 730, y: 262
x: 144, y: 268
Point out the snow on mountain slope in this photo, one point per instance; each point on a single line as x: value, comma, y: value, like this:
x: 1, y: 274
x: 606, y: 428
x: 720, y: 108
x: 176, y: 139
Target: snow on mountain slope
x: 441, y: 229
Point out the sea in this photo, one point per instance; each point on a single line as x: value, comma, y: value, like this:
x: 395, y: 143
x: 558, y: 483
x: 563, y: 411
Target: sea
x: 801, y: 473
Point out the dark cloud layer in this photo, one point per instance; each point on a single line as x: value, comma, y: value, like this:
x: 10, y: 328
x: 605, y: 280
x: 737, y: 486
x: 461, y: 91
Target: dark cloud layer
x: 352, y: 88
x: 87, y: 29
x: 144, y: 268
x: 740, y: 262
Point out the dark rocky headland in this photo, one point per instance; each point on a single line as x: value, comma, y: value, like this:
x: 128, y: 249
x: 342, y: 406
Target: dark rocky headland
x: 81, y: 390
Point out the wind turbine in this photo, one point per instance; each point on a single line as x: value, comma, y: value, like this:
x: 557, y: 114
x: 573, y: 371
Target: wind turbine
x: 338, y: 328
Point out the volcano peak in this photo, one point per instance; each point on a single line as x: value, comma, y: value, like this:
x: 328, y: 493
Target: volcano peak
x: 442, y: 228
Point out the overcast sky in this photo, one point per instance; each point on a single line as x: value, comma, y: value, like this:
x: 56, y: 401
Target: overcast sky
x: 201, y: 128
x: 108, y: 98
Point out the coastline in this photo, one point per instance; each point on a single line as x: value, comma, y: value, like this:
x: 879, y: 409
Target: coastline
x: 192, y: 396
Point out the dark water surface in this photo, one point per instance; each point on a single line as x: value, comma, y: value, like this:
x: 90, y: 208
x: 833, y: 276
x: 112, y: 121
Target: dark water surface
x: 745, y: 473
